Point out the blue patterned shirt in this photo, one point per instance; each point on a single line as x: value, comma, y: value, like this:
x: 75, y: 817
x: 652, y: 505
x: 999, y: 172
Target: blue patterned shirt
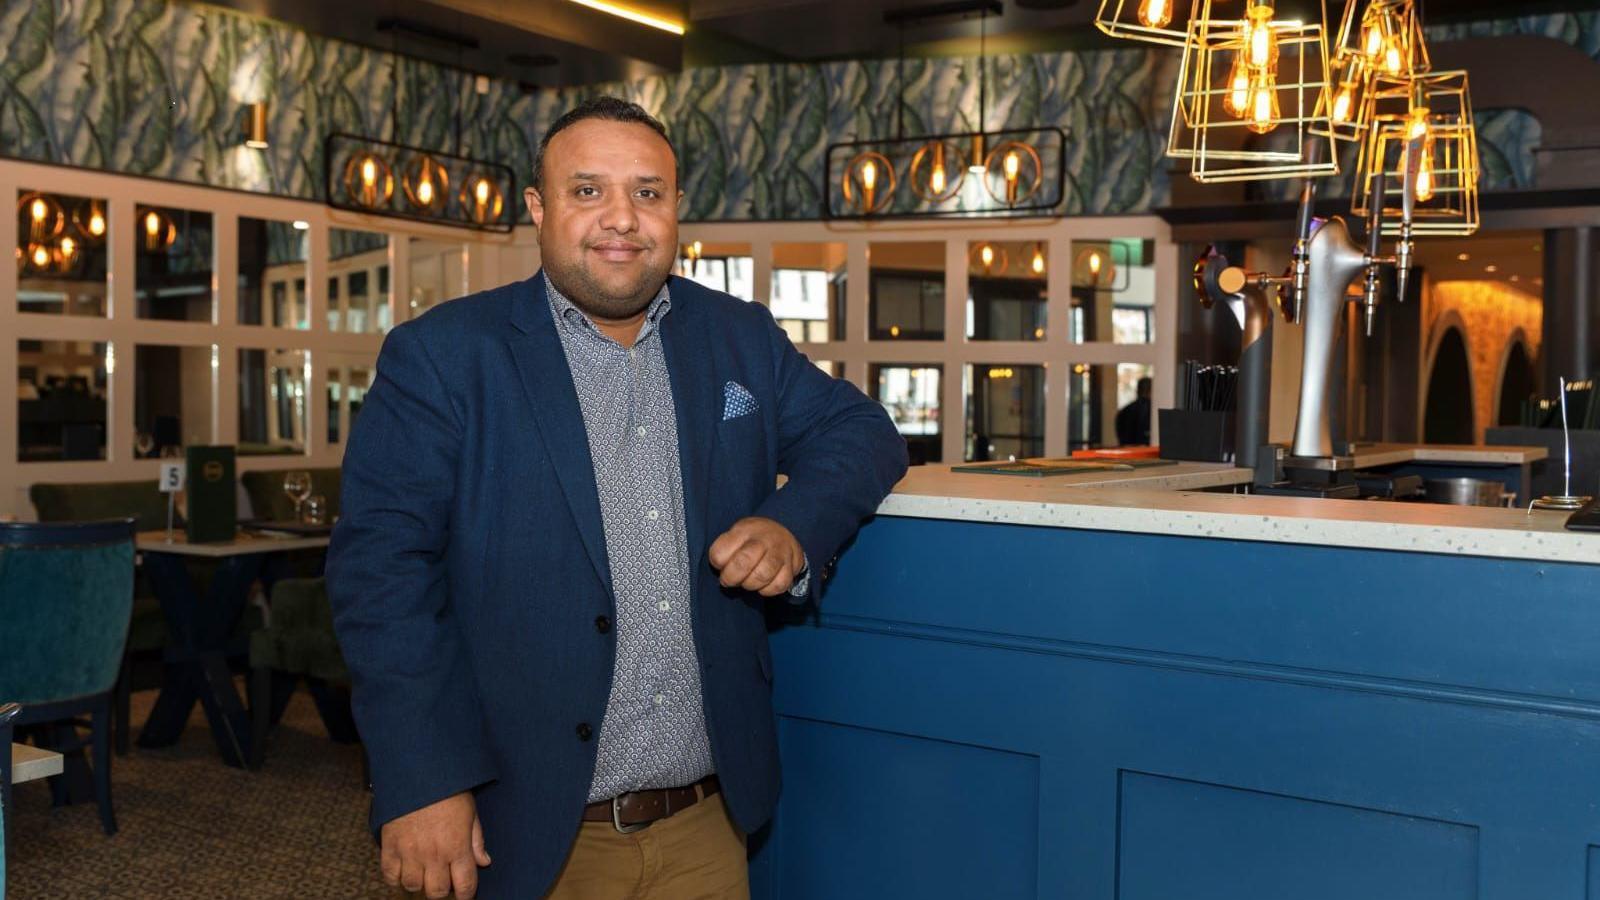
x: 654, y: 731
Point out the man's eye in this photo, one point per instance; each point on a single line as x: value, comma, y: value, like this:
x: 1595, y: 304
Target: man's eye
x: 587, y: 191
x: 648, y: 194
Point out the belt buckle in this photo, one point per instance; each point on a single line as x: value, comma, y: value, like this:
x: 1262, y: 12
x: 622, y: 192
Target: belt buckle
x: 616, y: 818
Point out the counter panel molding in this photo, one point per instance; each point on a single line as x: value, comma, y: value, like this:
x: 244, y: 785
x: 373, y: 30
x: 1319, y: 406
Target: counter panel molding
x: 1202, y: 717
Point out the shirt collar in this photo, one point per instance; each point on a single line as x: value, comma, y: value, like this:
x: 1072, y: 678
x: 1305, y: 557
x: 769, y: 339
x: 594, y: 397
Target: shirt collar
x: 569, y: 316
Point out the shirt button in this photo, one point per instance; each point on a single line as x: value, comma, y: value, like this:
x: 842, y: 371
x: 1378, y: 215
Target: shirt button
x: 652, y: 515
x: 584, y: 731
x: 642, y: 430
x: 664, y: 605
x: 660, y: 699
x: 602, y: 624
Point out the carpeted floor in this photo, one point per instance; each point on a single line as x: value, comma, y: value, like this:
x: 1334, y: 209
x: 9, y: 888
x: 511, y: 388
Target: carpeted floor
x: 191, y: 828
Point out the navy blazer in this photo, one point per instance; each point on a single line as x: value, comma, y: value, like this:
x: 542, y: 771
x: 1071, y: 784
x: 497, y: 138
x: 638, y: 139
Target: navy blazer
x: 469, y: 565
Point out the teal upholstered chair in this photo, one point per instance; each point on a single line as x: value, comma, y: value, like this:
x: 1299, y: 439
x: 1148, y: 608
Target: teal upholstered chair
x: 65, y: 595
x: 144, y: 502
x: 298, y: 642
x: 8, y: 712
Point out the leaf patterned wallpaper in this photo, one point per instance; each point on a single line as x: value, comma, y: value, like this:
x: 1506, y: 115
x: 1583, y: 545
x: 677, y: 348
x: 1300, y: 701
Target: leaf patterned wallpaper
x: 157, y: 88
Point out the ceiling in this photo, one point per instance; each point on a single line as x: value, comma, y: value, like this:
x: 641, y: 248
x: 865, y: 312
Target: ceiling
x: 1513, y: 257
x: 551, y: 43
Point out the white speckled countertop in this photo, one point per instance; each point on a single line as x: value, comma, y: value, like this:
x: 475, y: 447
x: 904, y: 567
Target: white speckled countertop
x: 1145, y: 501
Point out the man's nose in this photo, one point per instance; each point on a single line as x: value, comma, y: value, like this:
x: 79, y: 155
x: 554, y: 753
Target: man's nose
x: 619, y: 215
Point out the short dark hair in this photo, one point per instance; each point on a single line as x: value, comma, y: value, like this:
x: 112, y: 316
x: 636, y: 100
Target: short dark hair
x: 611, y: 109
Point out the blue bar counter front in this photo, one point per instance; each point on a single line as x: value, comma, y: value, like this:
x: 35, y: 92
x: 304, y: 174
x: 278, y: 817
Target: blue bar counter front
x: 984, y: 710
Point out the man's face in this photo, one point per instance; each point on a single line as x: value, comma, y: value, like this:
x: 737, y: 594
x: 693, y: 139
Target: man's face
x: 608, y: 215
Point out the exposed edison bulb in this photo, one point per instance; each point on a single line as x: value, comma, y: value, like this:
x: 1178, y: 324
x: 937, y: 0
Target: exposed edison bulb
x: 1237, y: 99
x: 152, y: 223
x: 698, y: 248
x: 41, y: 256
x: 369, y: 172
x: 1418, y: 125
x: 1263, y: 116
x: 1260, y: 39
x: 68, y: 247
x: 1095, y: 264
x: 869, y: 175
x: 38, y: 209
x: 1038, y: 261
x: 936, y: 182
x: 986, y: 253
x: 1372, y: 39
x: 1013, y: 163
x: 1344, y: 102
x: 97, y: 223
x: 1155, y: 13
x: 425, y: 191
x: 480, y: 191
x: 1394, y: 56
x: 1425, y: 183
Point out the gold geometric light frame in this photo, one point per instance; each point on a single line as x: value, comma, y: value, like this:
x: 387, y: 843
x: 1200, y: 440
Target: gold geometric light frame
x: 1218, y: 143
x: 1124, y: 19
x: 1453, y: 208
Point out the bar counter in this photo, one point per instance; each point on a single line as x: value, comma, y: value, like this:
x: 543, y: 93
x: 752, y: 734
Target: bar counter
x: 1107, y: 686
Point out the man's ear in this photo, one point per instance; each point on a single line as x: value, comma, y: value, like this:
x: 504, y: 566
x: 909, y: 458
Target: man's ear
x: 535, y: 206
x: 680, y: 201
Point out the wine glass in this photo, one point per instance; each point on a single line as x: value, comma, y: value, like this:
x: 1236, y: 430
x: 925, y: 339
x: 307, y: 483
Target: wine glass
x: 297, y: 484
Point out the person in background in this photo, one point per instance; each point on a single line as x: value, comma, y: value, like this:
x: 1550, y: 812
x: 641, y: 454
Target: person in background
x: 560, y: 528
x: 1133, y: 420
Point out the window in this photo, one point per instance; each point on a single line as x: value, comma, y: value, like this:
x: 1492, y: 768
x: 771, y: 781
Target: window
x: 910, y: 393
x: 61, y: 254
x: 272, y: 274
x: 1006, y: 290
x: 906, y: 292
x: 174, y: 255
x: 61, y: 399
x: 1005, y: 411
x: 808, y: 291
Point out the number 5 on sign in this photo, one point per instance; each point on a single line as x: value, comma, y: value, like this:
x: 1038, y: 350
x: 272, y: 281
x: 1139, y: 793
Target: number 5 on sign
x: 171, y: 477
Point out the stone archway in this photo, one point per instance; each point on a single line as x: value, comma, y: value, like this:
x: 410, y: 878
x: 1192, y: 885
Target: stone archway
x: 1519, y: 379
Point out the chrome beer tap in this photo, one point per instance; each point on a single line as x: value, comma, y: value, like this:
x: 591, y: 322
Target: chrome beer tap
x: 1333, y: 262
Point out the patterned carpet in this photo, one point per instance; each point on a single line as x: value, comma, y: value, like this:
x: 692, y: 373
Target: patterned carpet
x: 191, y: 828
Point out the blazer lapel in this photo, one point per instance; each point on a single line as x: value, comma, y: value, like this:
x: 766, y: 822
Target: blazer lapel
x: 542, y: 363
x: 697, y: 399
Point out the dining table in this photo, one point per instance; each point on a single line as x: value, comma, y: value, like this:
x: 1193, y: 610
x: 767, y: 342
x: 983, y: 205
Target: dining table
x: 201, y: 628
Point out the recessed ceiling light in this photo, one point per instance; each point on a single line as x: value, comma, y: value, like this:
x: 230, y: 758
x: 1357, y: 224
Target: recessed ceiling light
x: 1463, y: 256
x: 1491, y: 268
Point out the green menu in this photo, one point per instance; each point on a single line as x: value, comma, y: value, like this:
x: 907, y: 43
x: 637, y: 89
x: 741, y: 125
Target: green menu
x: 212, y: 501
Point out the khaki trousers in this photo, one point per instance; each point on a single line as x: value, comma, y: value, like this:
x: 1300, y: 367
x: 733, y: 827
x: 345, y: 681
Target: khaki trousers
x: 696, y: 854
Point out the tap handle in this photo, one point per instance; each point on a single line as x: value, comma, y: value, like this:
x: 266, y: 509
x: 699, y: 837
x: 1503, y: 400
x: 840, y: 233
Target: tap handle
x: 1214, y: 279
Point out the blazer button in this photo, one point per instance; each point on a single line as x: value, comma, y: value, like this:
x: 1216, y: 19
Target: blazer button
x: 602, y: 624
x: 584, y: 731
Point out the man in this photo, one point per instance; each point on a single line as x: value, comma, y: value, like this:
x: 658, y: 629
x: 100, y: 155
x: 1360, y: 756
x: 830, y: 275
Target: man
x: 560, y: 526
x: 1133, y: 420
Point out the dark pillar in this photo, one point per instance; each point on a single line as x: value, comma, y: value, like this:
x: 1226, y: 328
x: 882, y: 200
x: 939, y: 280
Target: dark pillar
x: 1571, y: 347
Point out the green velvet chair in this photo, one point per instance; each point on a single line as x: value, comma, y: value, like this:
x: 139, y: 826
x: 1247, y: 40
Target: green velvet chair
x: 144, y: 502
x: 298, y: 643
x: 268, y: 501
x: 65, y: 595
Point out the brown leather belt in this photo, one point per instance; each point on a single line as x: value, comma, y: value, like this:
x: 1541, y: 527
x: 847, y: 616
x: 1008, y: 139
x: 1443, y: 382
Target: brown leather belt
x: 635, y: 811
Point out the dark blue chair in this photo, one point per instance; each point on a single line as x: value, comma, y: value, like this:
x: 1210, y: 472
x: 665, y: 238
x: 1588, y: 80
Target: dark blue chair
x: 66, y: 594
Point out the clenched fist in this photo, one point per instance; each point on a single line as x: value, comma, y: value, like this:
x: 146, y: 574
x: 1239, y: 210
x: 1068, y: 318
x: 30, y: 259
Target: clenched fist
x: 758, y: 555
x: 436, y: 849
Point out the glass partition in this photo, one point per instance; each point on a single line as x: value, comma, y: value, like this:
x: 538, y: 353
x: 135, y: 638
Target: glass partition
x: 173, y: 397
x: 61, y: 254
x: 438, y: 273
x: 175, y: 258
x: 1113, y: 291
x: 910, y: 393
x: 724, y: 267
x: 808, y: 291
x: 906, y: 293
x: 61, y: 399
x: 1109, y: 405
x: 1005, y: 411
x: 358, y: 282
x: 1006, y: 290
x: 272, y: 274
x: 272, y: 402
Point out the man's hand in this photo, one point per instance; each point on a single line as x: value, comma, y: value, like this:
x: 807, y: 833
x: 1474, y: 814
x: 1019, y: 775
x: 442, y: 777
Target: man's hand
x: 758, y: 555
x: 436, y: 849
